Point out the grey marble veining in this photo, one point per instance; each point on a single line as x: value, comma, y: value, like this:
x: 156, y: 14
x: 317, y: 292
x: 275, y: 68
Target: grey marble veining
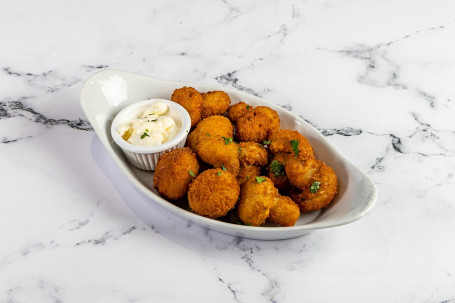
x: 376, y: 78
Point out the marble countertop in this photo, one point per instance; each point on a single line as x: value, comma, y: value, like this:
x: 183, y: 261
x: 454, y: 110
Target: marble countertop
x: 376, y: 78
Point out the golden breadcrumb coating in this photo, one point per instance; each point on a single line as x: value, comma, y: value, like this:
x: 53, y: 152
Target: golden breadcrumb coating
x: 271, y: 114
x: 174, y: 171
x: 277, y: 172
x: 220, y: 152
x: 285, y: 212
x: 256, y: 200
x: 256, y: 125
x: 210, y: 127
x: 238, y: 110
x: 281, y: 142
x: 323, y: 193
x: 300, y: 171
x: 215, y: 103
x: 191, y: 100
x: 213, y: 193
x: 248, y: 172
x: 252, y: 153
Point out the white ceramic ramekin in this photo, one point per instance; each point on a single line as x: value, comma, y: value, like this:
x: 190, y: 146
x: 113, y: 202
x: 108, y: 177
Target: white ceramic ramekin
x: 146, y: 157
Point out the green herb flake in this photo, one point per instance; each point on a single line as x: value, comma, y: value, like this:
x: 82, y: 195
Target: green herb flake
x: 192, y: 174
x: 207, y: 134
x: 315, y: 187
x: 223, y: 167
x: 266, y: 142
x: 260, y: 179
x: 187, y: 131
x: 295, y: 147
x: 247, y: 107
x: 146, y: 130
x: 218, y: 173
x: 227, y: 140
x: 240, y: 149
x: 154, y: 120
x: 144, y: 135
x: 277, y: 168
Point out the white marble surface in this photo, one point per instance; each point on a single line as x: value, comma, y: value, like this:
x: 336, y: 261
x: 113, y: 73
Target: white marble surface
x: 376, y: 77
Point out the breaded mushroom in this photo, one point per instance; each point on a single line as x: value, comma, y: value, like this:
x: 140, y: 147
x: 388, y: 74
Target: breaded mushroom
x: 215, y: 103
x: 238, y: 110
x: 285, y: 212
x: 191, y: 100
x: 252, y: 153
x: 290, y: 141
x: 271, y: 114
x: 256, y: 125
x: 300, y: 171
x: 213, y: 193
x: 210, y: 127
x: 248, y: 172
x: 220, y: 152
x: 277, y: 172
x: 174, y: 172
x: 257, y: 197
x: 320, y: 191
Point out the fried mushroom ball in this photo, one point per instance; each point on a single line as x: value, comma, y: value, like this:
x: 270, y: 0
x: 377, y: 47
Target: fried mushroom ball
x: 252, y: 153
x: 174, y: 172
x: 238, y: 110
x: 300, y: 171
x: 210, y: 127
x: 271, y: 114
x: 215, y: 103
x: 257, y: 125
x: 257, y: 197
x: 213, y: 193
x: 191, y: 100
x: 285, y: 212
x: 220, y: 153
x: 320, y: 191
x: 290, y: 141
x: 277, y: 172
x: 248, y: 172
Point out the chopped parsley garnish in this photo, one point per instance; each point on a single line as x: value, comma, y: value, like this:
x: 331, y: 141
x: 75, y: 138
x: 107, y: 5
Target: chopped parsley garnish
x: 260, y: 179
x: 154, y: 120
x: 266, y: 142
x: 295, y: 147
x: 240, y: 149
x: 247, y: 107
x: 227, y: 140
x: 191, y: 173
x: 218, y: 173
x: 187, y: 131
x: 315, y: 187
x: 144, y: 135
x: 223, y: 167
x: 277, y: 168
x: 207, y: 134
x: 152, y: 114
x: 146, y: 130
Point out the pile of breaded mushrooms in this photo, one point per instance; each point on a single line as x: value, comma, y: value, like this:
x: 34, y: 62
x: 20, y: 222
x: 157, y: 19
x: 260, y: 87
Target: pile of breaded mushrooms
x: 240, y: 167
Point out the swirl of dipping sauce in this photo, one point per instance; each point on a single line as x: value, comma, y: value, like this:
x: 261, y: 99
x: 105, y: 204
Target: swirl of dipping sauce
x: 153, y: 127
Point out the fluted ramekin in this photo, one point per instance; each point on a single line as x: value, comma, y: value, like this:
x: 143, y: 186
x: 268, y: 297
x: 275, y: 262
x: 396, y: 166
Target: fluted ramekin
x: 146, y: 157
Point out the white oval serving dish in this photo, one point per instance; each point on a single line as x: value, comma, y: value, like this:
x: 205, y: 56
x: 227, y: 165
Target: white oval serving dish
x: 107, y: 92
